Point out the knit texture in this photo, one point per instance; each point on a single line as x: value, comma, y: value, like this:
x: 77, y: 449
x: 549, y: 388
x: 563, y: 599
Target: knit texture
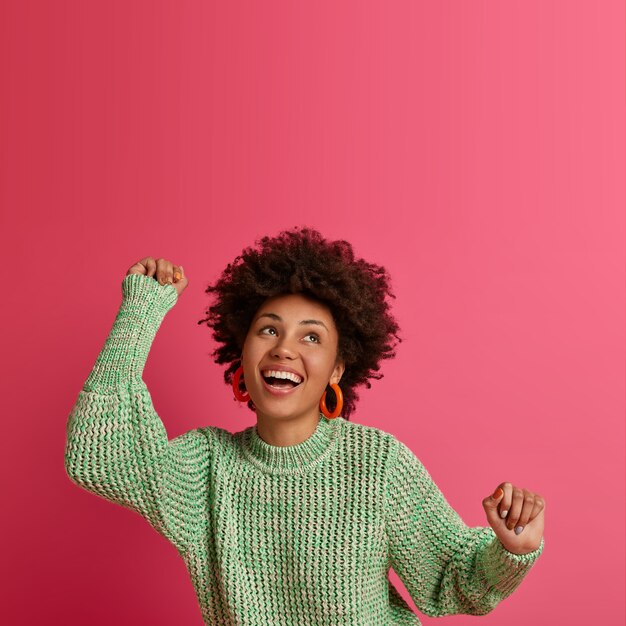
x: 294, y: 536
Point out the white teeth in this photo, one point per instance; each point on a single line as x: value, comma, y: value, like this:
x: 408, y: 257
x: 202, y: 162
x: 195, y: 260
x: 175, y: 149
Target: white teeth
x: 278, y: 374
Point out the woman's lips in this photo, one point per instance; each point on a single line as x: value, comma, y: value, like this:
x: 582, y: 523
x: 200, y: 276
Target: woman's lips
x: 279, y: 392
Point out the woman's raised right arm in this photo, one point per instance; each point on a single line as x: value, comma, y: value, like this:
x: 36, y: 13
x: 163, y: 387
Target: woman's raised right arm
x: 116, y: 444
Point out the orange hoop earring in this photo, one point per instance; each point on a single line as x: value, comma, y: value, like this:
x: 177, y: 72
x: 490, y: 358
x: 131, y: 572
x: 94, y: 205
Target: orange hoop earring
x: 242, y: 397
x: 339, y: 395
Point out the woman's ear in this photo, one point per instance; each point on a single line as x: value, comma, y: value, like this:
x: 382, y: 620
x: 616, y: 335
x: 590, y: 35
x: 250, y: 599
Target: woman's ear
x: 340, y: 368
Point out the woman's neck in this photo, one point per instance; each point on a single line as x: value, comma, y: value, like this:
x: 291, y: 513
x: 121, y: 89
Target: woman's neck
x: 286, y: 431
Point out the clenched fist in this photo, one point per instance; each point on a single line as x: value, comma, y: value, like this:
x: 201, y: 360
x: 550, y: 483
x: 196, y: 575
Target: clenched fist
x: 511, y: 507
x: 162, y: 270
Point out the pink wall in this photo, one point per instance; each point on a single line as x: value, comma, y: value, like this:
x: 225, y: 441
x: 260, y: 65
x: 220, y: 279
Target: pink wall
x: 476, y: 149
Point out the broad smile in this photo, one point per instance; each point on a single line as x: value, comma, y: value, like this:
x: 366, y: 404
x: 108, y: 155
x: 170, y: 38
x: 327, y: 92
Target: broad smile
x: 279, y: 391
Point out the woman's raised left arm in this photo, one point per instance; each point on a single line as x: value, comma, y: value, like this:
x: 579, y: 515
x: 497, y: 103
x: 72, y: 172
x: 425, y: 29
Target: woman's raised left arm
x: 446, y: 566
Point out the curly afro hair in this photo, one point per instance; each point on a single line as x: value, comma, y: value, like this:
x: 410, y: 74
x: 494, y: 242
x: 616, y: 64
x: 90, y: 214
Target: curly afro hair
x: 302, y: 261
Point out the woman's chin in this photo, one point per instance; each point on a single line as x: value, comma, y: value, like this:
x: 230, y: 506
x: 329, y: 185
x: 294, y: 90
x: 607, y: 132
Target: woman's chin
x: 284, y: 408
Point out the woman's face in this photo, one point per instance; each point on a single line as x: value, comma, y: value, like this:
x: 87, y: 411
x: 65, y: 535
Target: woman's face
x: 290, y: 333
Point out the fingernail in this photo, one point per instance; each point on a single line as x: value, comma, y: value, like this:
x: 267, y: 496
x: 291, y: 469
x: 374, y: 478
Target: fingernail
x: 518, y: 529
x: 497, y: 493
x: 503, y: 514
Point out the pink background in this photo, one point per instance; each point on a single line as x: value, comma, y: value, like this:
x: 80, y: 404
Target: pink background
x: 476, y: 149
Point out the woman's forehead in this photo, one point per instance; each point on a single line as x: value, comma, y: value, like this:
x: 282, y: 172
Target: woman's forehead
x: 293, y: 305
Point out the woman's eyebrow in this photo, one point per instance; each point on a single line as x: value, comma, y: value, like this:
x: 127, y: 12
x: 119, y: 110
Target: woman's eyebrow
x: 279, y: 319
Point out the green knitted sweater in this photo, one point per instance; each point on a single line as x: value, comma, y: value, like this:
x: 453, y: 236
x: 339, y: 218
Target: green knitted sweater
x: 296, y: 535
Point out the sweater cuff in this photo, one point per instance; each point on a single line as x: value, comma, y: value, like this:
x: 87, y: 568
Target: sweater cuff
x: 145, y: 303
x: 505, y: 570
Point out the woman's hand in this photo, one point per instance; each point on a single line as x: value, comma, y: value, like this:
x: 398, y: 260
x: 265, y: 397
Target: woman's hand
x: 511, y: 508
x: 162, y: 270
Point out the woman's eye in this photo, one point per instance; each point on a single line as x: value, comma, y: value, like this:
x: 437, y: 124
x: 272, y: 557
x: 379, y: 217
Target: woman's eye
x: 272, y: 331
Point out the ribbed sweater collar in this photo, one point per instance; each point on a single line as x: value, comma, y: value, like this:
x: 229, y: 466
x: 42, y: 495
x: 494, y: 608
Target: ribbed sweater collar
x: 296, y: 459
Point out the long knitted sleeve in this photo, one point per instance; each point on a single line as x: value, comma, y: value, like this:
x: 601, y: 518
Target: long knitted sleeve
x: 116, y: 444
x: 447, y: 567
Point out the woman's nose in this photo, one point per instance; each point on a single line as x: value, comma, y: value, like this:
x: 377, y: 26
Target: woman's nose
x: 284, y: 348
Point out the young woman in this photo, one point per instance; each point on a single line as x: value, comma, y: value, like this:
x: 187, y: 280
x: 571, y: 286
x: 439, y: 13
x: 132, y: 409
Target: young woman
x: 297, y: 519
